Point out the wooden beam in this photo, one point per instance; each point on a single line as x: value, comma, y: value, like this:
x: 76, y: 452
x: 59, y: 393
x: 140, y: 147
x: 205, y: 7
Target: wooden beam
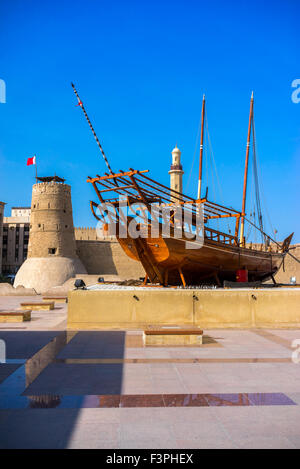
x: 119, y: 188
x: 182, y: 276
x: 166, y: 275
x: 113, y: 176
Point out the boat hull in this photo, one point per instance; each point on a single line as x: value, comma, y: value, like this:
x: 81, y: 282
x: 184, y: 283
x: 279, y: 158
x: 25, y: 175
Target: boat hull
x: 169, y: 260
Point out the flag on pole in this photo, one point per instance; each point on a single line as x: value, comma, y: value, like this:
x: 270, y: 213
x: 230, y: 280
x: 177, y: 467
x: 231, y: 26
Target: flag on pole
x: 31, y: 161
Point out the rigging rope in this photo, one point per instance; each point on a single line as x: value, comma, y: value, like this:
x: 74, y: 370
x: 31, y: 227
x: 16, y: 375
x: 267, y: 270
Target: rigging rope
x: 256, y: 183
x: 274, y: 241
x: 261, y: 186
x: 214, y: 166
x: 194, y: 157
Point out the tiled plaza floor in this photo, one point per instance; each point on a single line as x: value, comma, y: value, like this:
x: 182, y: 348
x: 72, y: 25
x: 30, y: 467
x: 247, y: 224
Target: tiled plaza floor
x: 60, y: 389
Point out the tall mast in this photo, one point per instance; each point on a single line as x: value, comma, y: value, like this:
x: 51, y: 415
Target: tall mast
x: 201, y: 149
x: 246, y: 171
x: 91, y: 127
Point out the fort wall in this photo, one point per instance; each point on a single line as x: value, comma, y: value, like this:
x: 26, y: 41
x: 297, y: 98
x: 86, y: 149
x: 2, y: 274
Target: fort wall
x: 290, y: 267
x: 106, y: 257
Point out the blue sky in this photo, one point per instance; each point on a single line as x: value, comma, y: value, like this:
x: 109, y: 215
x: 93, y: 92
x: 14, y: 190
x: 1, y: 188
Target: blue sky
x: 141, y: 69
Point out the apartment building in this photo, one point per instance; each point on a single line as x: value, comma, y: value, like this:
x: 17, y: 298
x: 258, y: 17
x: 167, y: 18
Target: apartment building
x: 15, y: 239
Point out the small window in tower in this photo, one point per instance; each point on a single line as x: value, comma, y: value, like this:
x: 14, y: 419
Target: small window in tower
x: 51, y: 250
x: 66, y: 226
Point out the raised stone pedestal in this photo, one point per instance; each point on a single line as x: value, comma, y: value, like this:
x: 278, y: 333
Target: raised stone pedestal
x: 139, y: 308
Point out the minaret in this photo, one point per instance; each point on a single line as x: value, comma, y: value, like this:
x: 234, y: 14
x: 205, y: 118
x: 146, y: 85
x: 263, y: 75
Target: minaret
x: 176, y: 171
x: 52, y: 257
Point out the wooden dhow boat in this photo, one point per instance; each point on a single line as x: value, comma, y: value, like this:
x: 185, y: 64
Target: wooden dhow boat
x: 184, y: 259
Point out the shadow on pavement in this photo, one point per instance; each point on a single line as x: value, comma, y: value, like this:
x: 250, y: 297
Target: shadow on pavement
x: 33, y: 411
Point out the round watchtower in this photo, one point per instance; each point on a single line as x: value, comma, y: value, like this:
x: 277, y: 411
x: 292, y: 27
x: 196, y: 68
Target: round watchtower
x: 51, y: 220
x: 52, y: 257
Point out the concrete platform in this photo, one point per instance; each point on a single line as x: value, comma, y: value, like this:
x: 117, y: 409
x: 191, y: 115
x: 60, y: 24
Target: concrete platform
x: 139, y: 308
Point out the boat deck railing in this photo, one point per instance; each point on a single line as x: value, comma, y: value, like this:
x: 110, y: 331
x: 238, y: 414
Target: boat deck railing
x: 220, y: 237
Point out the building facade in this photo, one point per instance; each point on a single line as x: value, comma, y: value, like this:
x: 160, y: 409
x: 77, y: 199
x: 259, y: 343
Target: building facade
x: 15, y: 238
x: 2, y: 204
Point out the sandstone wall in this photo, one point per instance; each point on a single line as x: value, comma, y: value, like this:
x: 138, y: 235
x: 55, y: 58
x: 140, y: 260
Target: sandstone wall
x: 290, y: 267
x: 106, y: 257
x: 86, y: 234
x: 91, y: 234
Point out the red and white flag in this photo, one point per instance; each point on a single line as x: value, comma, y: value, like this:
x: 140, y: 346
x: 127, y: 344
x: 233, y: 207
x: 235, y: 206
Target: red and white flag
x: 31, y: 161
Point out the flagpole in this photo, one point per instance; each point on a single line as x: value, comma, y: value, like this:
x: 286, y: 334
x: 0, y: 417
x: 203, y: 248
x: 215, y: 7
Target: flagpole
x: 35, y: 170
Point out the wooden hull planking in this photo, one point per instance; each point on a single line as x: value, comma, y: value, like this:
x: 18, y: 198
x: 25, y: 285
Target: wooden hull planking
x: 163, y: 258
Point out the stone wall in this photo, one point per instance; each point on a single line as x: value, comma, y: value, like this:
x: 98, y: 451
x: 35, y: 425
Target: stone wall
x: 91, y: 234
x: 290, y: 267
x: 106, y: 257
x: 86, y: 234
x: 102, y: 255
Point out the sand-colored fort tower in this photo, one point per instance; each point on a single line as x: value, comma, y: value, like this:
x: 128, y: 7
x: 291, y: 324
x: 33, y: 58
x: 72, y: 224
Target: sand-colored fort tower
x: 52, y: 257
x: 176, y: 171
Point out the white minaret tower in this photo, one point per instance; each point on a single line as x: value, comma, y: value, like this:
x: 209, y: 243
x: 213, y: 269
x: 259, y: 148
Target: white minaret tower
x: 176, y: 171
